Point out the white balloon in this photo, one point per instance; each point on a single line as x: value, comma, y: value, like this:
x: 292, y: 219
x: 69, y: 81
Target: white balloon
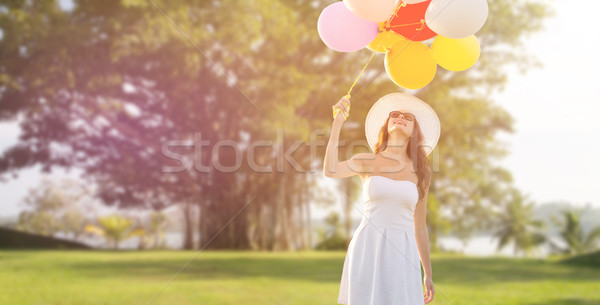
x: 373, y: 10
x: 456, y: 19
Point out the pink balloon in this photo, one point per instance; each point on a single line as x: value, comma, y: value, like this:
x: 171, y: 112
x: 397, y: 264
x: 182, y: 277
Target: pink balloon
x: 343, y: 31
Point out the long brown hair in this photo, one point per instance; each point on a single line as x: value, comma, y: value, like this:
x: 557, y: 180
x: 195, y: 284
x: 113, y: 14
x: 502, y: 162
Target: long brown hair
x: 416, y: 153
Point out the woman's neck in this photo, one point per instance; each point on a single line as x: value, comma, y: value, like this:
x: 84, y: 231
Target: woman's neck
x: 397, y: 147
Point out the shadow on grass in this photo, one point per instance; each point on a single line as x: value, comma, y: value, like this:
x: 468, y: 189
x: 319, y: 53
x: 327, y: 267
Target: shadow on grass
x: 588, y: 260
x: 203, y: 268
x: 315, y: 267
x: 568, y: 301
x: 482, y: 271
x: 465, y: 270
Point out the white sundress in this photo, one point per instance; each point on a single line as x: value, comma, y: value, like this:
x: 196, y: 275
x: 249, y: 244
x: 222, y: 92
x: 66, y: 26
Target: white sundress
x: 382, y: 265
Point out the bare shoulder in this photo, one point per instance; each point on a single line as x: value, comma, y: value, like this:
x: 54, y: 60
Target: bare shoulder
x: 361, y: 161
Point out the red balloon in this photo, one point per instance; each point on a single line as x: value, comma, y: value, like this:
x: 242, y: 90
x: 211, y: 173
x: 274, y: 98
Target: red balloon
x: 409, y: 22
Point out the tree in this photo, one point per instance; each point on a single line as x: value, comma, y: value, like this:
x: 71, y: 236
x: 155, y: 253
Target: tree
x: 107, y: 86
x: 156, y: 229
x: 73, y: 222
x: 516, y: 224
x: 54, y: 207
x: 331, y: 237
x: 114, y: 228
x: 577, y: 242
x: 113, y: 83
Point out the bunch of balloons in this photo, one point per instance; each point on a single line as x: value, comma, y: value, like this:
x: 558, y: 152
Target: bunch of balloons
x: 398, y: 29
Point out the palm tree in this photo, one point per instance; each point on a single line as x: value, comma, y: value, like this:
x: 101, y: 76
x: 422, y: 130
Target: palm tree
x: 114, y: 228
x: 577, y: 242
x: 517, y: 225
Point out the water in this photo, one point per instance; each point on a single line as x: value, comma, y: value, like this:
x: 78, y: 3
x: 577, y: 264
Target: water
x: 486, y: 245
x: 479, y: 245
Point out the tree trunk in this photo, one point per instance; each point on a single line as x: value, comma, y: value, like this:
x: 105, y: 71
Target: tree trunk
x: 308, y: 222
x: 188, y: 238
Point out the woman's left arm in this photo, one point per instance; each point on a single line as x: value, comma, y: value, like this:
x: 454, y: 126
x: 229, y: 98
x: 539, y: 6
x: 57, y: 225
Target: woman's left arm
x: 422, y: 237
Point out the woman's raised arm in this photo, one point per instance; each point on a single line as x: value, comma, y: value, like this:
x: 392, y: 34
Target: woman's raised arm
x: 332, y: 168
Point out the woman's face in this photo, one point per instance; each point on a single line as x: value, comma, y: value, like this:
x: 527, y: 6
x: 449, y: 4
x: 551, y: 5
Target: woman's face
x: 401, y: 125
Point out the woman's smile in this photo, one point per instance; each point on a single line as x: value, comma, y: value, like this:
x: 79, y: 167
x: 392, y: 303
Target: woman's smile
x: 399, y: 122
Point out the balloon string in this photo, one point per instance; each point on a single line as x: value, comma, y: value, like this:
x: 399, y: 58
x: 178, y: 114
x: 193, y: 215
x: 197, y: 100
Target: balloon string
x: 422, y: 23
x: 361, y: 72
x: 387, y: 28
x: 402, y: 4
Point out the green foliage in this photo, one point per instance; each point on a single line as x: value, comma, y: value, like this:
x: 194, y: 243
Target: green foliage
x: 154, y: 236
x: 331, y: 237
x: 516, y: 223
x: 115, y: 228
x: 54, y: 207
x: 577, y: 242
x: 225, y: 69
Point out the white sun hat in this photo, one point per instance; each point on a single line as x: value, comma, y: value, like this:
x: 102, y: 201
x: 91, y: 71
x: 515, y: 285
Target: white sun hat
x: 425, y: 115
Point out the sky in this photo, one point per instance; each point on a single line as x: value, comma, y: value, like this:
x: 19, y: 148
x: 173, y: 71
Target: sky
x: 553, y: 151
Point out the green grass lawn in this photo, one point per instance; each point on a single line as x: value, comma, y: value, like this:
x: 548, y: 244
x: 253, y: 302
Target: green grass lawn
x: 221, y: 278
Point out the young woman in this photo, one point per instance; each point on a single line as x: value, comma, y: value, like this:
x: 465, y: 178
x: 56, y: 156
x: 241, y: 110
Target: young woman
x: 382, y: 265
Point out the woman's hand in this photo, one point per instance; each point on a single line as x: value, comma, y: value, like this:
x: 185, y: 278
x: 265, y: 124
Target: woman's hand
x: 429, y: 291
x: 344, y: 105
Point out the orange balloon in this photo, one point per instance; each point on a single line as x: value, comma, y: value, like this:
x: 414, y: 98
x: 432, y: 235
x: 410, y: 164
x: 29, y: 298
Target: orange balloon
x: 410, y: 64
x: 407, y: 22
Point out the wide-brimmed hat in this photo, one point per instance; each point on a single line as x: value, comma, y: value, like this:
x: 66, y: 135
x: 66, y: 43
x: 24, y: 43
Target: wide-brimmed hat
x: 427, y: 118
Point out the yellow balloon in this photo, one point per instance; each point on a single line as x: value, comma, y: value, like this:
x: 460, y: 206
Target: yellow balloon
x: 456, y: 54
x: 410, y: 64
x: 385, y: 39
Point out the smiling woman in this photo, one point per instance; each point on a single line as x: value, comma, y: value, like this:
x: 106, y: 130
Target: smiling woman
x: 382, y: 262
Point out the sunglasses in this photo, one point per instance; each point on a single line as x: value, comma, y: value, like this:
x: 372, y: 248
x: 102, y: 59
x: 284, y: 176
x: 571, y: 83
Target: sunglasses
x: 397, y: 114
